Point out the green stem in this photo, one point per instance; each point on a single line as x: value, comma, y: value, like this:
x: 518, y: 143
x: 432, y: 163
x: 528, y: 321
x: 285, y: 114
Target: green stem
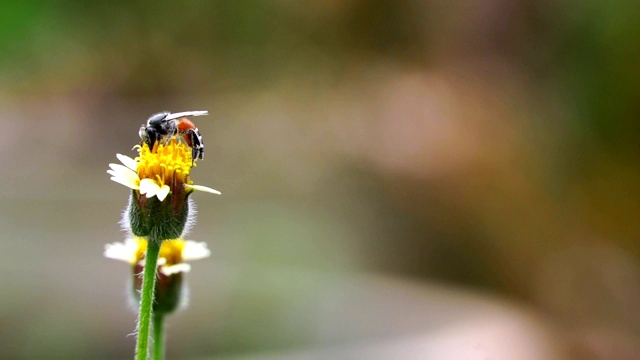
x: 158, y: 337
x: 146, y: 298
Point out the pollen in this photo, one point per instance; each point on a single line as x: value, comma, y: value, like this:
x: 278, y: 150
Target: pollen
x: 166, y: 163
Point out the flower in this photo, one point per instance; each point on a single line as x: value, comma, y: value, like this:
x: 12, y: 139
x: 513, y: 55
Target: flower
x: 159, y: 207
x: 173, y: 253
x: 158, y: 215
x: 171, y: 267
x: 154, y: 173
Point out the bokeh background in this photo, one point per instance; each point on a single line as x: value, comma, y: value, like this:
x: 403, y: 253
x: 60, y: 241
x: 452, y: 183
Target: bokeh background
x: 401, y: 179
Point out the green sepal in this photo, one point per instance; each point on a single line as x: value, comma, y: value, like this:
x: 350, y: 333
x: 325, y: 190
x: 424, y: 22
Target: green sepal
x: 158, y: 220
x: 167, y: 294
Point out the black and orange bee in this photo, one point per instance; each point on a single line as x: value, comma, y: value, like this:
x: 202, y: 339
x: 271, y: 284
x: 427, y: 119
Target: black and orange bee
x: 161, y: 127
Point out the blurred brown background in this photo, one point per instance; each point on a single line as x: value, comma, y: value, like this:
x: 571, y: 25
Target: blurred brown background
x: 486, y: 150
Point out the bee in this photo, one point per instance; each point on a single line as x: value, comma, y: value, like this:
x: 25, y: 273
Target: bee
x: 161, y: 127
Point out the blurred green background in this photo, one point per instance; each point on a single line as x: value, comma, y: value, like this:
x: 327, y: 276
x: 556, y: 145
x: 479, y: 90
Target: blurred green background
x: 483, y: 149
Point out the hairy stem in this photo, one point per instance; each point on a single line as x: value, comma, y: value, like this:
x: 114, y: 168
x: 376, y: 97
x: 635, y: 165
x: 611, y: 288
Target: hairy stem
x: 158, y: 337
x: 146, y: 298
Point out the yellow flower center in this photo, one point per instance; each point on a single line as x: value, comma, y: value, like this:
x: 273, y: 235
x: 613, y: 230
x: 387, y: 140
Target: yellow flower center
x: 166, y: 163
x: 170, y: 250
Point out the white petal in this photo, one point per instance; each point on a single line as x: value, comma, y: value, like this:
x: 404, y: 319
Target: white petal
x: 127, y: 161
x: 163, y: 192
x: 195, y: 250
x: 122, y: 251
x: 123, y: 171
x: 174, y: 269
x: 202, y: 188
x: 186, y: 113
x: 149, y: 187
x: 126, y: 182
x: 128, y: 174
x: 120, y: 168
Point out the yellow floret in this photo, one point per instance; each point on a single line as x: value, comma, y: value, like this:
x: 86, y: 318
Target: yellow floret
x: 170, y: 250
x: 167, y: 163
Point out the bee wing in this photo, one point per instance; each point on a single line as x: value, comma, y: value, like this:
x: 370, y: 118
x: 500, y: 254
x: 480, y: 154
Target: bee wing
x: 186, y: 113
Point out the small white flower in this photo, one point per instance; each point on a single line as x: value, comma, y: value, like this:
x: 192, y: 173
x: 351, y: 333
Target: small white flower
x: 127, y: 175
x: 172, y: 257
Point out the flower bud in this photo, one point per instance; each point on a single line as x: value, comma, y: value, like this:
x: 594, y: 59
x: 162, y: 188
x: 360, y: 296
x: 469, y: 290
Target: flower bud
x: 170, y: 288
x: 155, y: 219
x: 168, y: 291
x: 159, y: 204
